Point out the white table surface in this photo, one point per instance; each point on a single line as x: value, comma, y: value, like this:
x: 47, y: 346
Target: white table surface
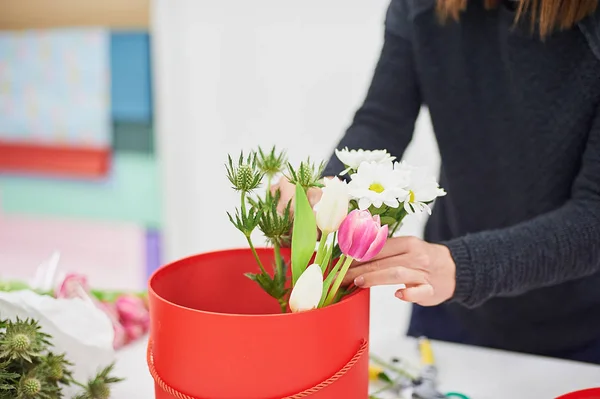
x: 477, y: 372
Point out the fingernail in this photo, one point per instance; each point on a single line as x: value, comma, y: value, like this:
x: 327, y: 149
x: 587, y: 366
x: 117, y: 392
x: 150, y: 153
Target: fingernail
x: 359, y: 281
x: 399, y: 294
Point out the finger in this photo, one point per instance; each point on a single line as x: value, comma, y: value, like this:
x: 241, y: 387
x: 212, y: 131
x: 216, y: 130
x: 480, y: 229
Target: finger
x: 373, y: 266
x: 283, y: 203
x: 314, y: 195
x: 406, y: 260
x: 391, y: 276
x: 416, y: 294
x: 398, y: 246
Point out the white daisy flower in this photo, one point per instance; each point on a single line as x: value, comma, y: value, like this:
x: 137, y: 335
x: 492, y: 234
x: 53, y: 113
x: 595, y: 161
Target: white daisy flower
x: 353, y: 158
x: 377, y: 184
x: 422, y: 188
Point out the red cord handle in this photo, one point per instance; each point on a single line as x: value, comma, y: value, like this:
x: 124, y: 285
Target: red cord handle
x: 175, y: 393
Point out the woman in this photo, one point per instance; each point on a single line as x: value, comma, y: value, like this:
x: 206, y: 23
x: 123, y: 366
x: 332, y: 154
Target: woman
x: 511, y: 257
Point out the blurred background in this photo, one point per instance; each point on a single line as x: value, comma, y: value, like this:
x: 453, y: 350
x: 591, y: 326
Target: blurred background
x: 116, y: 118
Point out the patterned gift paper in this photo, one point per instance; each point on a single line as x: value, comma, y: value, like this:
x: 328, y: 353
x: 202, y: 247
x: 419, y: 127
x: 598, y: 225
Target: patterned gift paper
x: 55, y: 87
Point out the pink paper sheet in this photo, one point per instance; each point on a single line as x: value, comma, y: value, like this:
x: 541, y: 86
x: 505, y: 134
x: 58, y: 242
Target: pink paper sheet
x: 111, y: 254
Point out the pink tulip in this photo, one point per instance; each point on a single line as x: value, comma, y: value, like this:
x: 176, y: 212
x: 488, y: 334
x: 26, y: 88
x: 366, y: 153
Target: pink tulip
x: 73, y: 286
x: 134, y: 331
x: 110, y: 309
x: 120, y: 339
x: 361, y: 235
x: 120, y: 335
x: 132, y: 308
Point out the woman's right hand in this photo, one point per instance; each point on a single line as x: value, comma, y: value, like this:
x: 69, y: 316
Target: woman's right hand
x: 288, y: 191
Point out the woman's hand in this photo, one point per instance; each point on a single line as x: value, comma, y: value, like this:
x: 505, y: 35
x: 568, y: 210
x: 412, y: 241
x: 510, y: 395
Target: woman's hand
x: 427, y: 270
x: 288, y: 191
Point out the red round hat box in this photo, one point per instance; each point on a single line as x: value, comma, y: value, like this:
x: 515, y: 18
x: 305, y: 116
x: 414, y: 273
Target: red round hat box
x: 593, y: 393
x: 215, y: 334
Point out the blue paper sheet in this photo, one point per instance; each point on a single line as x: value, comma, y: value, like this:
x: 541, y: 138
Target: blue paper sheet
x: 55, y: 87
x: 131, y: 89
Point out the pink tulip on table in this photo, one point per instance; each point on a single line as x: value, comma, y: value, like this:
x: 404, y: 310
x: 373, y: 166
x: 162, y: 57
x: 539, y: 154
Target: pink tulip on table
x: 134, y: 331
x: 73, y: 286
x: 120, y: 339
x: 132, y: 308
x: 361, y: 237
x: 120, y: 335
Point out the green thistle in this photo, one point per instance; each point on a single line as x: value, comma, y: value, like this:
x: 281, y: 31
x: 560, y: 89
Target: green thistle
x: 307, y: 175
x: 99, y: 387
x: 271, y: 163
x: 29, y: 371
x: 245, y: 176
x: 34, y: 386
x: 275, y: 227
x: 57, y: 368
x: 245, y: 222
x: 8, y: 379
x: 22, y: 340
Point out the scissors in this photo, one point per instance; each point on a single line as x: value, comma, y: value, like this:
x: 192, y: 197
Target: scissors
x: 425, y: 387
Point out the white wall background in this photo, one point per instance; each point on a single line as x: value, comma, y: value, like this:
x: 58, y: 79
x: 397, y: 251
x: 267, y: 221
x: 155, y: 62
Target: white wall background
x: 235, y: 74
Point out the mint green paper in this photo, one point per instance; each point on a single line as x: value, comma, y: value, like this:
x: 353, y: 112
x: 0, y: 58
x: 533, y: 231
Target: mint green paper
x: 304, y: 234
x: 130, y: 194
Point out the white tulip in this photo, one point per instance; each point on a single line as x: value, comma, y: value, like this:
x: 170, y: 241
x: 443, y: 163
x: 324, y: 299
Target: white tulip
x: 332, y: 209
x: 308, y: 290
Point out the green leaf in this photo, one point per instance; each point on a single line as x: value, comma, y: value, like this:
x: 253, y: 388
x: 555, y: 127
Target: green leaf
x: 388, y: 220
x: 329, y: 280
x: 378, y: 211
x: 385, y: 378
x: 304, y: 234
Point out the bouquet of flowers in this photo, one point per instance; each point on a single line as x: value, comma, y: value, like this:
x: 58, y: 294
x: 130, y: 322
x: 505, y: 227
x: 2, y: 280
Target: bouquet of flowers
x: 128, y: 311
x: 356, y: 214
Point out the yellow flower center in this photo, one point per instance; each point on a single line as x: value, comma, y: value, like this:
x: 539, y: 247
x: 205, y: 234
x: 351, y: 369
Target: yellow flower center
x: 411, y: 196
x: 378, y: 188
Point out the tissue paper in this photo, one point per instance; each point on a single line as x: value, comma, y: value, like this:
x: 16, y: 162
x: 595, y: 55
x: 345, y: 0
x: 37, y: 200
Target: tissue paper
x: 78, y: 328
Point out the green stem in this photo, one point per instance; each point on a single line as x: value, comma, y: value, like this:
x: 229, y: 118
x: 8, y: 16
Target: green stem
x: 338, y: 281
x: 396, y: 225
x: 72, y: 381
x: 278, y: 263
x: 262, y: 268
x: 386, y: 387
x: 321, y: 252
x: 243, y: 199
x: 384, y: 364
x: 327, y: 259
x: 283, y: 304
x: 329, y: 279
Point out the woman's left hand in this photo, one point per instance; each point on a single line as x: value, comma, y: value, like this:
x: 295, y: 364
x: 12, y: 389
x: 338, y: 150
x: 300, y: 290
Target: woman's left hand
x: 427, y: 270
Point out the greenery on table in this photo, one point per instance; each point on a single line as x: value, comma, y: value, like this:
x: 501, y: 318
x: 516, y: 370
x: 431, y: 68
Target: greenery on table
x: 30, y: 370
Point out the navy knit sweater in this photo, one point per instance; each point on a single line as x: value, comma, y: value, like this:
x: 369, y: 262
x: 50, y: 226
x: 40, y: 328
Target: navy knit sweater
x: 517, y: 121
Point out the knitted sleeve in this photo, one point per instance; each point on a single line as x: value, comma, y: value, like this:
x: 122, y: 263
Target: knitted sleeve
x: 555, y: 247
x: 387, y: 116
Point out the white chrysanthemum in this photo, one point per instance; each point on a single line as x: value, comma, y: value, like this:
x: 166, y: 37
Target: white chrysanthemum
x: 353, y: 158
x: 377, y: 184
x: 422, y: 188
